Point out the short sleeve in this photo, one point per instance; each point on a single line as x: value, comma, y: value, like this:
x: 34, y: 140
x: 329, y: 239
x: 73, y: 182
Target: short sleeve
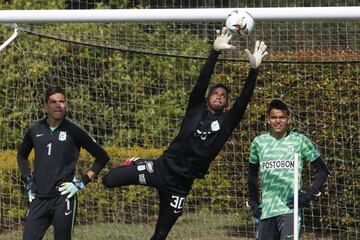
x: 308, y: 150
x: 254, y: 152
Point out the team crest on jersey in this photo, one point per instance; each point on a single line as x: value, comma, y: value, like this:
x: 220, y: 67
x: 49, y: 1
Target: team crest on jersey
x: 291, y: 150
x: 150, y: 166
x: 215, y: 126
x: 62, y: 136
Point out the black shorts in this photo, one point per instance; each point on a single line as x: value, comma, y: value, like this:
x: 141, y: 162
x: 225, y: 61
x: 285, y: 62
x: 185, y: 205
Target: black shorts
x: 172, y: 189
x: 278, y: 227
x: 43, y: 212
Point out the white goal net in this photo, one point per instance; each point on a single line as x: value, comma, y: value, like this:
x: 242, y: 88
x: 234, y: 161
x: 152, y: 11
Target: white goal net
x: 128, y: 85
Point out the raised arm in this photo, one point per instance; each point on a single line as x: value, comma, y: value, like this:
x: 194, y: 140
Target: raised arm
x: 198, y: 92
x: 239, y: 107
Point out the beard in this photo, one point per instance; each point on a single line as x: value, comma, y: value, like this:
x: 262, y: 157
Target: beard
x: 217, y: 107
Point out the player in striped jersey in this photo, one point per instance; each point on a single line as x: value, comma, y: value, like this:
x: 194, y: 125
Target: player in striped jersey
x: 272, y: 155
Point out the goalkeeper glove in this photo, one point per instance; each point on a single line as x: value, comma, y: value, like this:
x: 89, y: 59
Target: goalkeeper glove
x: 222, y: 40
x: 255, y: 208
x: 71, y: 188
x: 304, y: 199
x: 256, y: 58
x: 29, y: 191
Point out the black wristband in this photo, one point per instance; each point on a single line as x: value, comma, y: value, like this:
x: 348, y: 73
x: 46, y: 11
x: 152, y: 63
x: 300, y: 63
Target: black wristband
x: 85, y: 179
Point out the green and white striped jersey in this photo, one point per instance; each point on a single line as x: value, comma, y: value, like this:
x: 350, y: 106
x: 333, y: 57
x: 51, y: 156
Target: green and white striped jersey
x: 276, y: 163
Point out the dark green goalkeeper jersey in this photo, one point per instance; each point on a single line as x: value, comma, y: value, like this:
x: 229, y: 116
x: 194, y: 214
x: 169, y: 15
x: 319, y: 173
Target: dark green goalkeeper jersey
x: 56, y: 155
x: 276, y: 163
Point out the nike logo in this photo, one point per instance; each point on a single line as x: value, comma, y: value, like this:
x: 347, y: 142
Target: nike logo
x: 39, y: 135
x: 67, y: 213
x: 177, y: 211
x: 290, y: 236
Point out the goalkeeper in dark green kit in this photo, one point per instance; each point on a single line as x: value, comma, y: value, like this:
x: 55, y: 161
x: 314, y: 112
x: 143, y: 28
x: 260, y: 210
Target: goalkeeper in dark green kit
x: 204, y: 130
x: 52, y: 186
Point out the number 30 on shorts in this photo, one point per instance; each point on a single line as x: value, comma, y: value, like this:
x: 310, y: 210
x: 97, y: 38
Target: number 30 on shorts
x: 177, y: 203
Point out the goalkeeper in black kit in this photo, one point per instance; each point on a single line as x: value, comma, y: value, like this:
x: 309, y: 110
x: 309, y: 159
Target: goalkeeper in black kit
x: 204, y: 130
x: 52, y: 186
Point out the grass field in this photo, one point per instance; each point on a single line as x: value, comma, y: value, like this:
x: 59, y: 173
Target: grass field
x: 189, y: 227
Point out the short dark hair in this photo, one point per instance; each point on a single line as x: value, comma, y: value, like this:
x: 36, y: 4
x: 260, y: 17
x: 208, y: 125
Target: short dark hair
x: 52, y: 90
x: 219, y: 85
x: 277, y: 104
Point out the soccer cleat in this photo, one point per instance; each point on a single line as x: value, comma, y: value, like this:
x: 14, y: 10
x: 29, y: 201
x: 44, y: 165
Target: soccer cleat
x: 130, y: 161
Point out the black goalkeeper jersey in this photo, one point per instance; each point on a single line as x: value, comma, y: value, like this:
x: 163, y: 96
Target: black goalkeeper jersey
x: 56, y: 155
x: 202, y: 133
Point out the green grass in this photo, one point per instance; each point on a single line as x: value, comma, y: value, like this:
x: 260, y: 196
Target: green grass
x: 201, y: 226
x: 190, y: 226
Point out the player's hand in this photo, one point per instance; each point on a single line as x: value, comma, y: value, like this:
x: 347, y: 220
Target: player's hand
x: 29, y: 191
x: 222, y: 40
x: 304, y: 200
x: 256, y: 58
x: 255, y: 208
x: 71, y: 188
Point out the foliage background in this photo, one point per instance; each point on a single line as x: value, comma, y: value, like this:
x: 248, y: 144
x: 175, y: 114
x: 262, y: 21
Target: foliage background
x: 127, y: 85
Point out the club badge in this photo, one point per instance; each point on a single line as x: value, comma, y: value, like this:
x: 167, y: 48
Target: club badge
x: 215, y: 126
x: 62, y: 136
x: 150, y: 166
x: 291, y: 150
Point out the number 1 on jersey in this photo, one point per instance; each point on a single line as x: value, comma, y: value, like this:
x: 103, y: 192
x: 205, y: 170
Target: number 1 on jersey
x: 49, y: 149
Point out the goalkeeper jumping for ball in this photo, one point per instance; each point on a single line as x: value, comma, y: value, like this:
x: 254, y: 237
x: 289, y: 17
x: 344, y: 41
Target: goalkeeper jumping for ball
x: 52, y: 187
x: 204, y: 130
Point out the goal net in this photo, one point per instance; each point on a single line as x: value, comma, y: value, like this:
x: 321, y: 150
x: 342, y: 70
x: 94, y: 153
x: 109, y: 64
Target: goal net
x: 128, y: 84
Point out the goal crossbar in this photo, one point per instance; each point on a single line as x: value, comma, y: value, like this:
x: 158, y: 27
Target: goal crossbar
x: 176, y: 15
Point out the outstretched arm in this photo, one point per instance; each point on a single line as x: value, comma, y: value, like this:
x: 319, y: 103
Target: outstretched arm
x: 221, y: 42
x: 239, y: 107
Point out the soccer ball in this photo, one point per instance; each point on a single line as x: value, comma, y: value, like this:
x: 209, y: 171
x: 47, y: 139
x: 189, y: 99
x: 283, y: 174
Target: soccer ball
x: 240, y: 22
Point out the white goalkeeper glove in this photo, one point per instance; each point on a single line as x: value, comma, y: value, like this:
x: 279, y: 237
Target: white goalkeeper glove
x: 222, y: 40
x: 71, y: 188
x: 256, y: 58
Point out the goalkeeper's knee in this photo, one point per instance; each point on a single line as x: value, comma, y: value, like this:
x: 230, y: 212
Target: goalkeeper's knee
x: 108, y: 182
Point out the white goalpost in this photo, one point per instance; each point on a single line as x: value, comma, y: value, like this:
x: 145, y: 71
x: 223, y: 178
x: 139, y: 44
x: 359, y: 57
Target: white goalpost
x: 177, y: 15
x: 128, y: 70
x: 172, y: 15
x: 296, y: 195
x: 11, y: 38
